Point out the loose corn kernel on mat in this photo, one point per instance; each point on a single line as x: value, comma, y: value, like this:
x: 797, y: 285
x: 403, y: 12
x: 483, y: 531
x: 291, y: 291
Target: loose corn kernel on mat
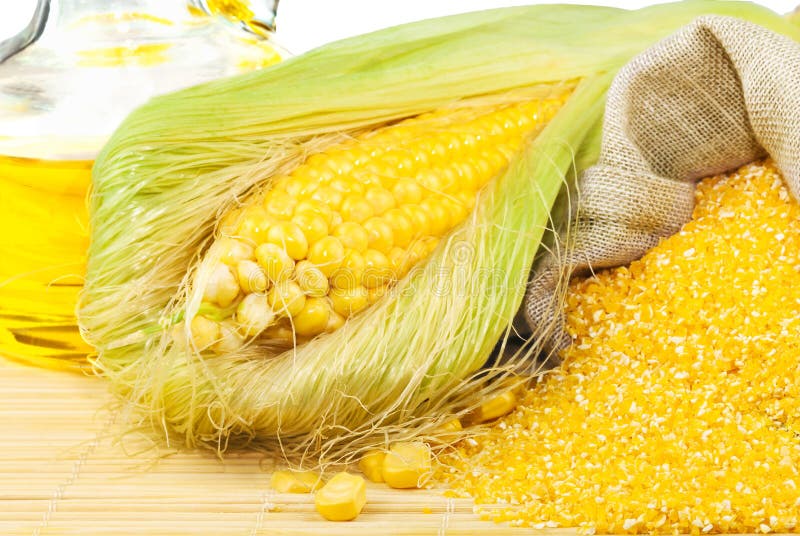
x: 61, y: 473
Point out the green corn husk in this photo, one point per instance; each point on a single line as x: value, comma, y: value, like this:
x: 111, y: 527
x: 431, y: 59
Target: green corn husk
x: 182, y: 160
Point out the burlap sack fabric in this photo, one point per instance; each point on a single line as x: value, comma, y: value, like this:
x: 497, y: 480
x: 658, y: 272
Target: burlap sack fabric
x: 720, y: 93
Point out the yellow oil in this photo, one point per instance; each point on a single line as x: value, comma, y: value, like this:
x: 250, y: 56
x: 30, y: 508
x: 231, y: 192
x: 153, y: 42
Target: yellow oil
x: 44, y: 229
x: 125, y: 56
x: 44, y: 238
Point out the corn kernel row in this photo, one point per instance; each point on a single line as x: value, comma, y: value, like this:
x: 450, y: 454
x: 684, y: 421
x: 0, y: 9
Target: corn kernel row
x: 677, y: 408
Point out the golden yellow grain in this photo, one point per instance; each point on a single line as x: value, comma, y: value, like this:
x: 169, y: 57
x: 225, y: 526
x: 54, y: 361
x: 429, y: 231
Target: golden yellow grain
x: 677, y: 408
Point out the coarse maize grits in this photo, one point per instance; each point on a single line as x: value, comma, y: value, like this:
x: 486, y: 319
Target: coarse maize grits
x: 677, y: 408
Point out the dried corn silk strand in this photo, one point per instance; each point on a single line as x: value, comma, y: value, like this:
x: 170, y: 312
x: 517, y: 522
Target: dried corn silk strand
x: 677, y: 406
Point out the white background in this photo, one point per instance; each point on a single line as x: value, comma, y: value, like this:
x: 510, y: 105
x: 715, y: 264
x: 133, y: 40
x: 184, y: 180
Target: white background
x: 304, y: 24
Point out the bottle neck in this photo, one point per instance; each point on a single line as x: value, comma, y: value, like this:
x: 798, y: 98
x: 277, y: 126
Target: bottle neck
x: 65, y: 13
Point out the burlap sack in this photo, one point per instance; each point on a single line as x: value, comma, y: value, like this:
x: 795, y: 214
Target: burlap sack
x: 718, y: 94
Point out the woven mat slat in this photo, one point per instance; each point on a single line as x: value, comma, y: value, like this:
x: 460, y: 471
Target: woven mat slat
x: 64, y: 471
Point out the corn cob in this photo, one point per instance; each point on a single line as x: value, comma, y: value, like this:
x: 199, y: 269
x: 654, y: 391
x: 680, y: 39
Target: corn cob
x: 180, y: 163
x: 334, y: 234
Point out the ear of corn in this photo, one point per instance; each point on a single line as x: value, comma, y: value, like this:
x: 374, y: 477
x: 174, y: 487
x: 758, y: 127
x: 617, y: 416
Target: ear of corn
x: 165, y: 183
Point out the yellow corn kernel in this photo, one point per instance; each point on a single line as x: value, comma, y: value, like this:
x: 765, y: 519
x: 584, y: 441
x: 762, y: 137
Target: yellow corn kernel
x: 432, y: 181
x: 458, y: 212
x: 289, y: 236
x: 280, y: 205
x: 309, y: 175
x: 352, y: 235
x: 378, y: 269
x: 407, y: 465
x: 231, y: 251
x: 342, y: 498
x: 205, y: 332
x: 469, y: 175
x: 275, y: 261
x: 254, y: 224
x: 356, y: 209
x: 415, y: 252
x: 371, y: 464
x: 222, y: 287
x: 313, y: 226
x: 466, y: 200
x: 406, y: 191
x: 336, y: 219
x: 311, y: 279
x: 301, y: 187
x: 402, y: 228
x: 495, y: 407
x: 335, y: 321
x: 349, y: 301
x: 254, y: 314
x: 327, y: 254
x: 381, y: 199
x: 439, y: 218
x: 380, y: 233
x: 280, y: 332
x: 251, y: 277
x: 453, y: 425
x: 328, y: 196
x: 348, y: 186
x: 340, y: 162
x: 229, y: 223
x: 229, y: 339
x: 398, y: 261
x: 280, y: 182
x: 295, y: 481
x: 314, y: 209
x: 286, y: 298
x: 429, y: 243
x: 420, y: 220
x: 313, y: 318
x: 351, y: 273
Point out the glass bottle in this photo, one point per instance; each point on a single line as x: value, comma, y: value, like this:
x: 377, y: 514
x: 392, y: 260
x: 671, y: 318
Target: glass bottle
x: 66, y: 81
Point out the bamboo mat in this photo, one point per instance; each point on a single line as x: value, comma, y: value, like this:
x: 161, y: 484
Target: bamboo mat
x: 64, y: 470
